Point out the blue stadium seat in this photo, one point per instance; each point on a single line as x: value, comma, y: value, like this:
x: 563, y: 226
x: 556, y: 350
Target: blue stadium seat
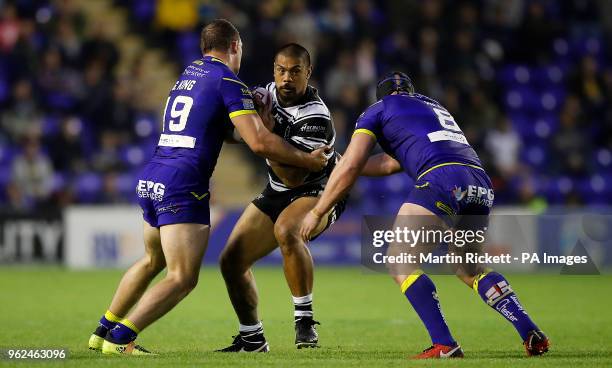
x: 133, y: 155
x: 88, y: 187
x: 50, y: 126
x: 59, y: 181
x: 126, y: 184
x: 144, y: 10
x: 5, y: 90
x: 7, y: 153
x: 522, y: 124
x: 514, y: 75
x: 552, y: 99
x: 188, y: 45
x: 586, y: 45
x: 145, y: 126
x: 521, y: 99
x: 547, y: 76
x: 555, y: 189
x: 535, y: 155
x: 544, y: 127
x: 561, y: 47
x: 596, y: 189
x: 602, y: 159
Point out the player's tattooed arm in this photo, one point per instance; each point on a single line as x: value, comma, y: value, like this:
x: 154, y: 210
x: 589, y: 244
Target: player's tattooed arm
x: 381, y: 165
x: 269, y: 145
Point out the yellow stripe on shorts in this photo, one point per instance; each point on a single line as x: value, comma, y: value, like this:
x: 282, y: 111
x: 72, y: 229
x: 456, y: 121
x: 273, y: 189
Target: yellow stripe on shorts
x: 448, y: 164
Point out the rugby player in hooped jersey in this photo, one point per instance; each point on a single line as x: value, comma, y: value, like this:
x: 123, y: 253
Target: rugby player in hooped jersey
x: 299, y: 116
x: 420, y: 137
x: 206, y: 101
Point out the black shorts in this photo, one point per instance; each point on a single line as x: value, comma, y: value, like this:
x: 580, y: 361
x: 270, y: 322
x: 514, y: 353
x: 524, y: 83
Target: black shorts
x: 272, y: 203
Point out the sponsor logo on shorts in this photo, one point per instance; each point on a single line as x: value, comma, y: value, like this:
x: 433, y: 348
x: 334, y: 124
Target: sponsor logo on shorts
x: 474, y: 194
x: 170, y: 208
x: 150, y: 189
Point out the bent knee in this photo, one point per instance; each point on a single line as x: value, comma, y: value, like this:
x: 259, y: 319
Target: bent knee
x: 153, y: 263
x: 288, y: 241
x: 157, y: 263
x: 286, y: 235
x: 228, y: 264
x: 232, y: 261
x: 225, y: 260
x: 183, y: 281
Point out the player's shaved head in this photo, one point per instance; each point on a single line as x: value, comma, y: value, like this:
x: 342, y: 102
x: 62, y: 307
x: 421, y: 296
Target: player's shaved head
x: 294, y: 50
x: 218, y: 35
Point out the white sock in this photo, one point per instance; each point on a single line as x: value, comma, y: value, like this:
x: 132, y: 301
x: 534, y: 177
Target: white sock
x: 250, y: 328
x: 303, y: 306
x: 306, y: 299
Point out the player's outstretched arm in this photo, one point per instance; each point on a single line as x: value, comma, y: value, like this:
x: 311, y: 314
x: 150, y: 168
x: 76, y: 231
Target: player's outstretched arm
x: 267, y: 144
x: 381, y: 165
x: 340, y: 181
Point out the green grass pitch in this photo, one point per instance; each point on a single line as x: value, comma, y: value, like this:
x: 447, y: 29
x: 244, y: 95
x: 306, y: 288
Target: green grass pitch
x: 365, y: 320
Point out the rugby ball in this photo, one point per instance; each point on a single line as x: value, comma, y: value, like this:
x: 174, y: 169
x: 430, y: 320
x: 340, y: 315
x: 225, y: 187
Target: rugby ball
x: 262, y: 96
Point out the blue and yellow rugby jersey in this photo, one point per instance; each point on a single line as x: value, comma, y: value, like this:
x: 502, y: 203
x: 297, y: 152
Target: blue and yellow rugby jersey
x: 418, y: 132
x: 197, y: 113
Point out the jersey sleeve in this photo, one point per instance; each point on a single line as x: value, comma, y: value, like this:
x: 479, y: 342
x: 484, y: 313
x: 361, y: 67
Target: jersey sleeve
x: 370, y: 121
x: 237, y: 97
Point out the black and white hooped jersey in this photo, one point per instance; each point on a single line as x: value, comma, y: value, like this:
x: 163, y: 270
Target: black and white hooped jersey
x: 307, y: 126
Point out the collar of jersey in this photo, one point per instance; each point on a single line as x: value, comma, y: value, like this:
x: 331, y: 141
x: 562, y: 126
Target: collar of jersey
x: 212, y: 58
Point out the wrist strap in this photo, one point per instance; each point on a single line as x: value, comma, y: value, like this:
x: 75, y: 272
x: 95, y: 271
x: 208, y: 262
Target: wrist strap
x: 314, y: 212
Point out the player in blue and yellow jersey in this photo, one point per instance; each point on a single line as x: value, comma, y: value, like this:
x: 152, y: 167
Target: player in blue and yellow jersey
x: 205, y: 104
x: 420, y: 137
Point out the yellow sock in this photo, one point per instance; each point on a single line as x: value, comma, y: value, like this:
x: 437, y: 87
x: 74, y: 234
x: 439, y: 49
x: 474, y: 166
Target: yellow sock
x: 410, y: 280
x: 129, y: 325
x: 111, y: 317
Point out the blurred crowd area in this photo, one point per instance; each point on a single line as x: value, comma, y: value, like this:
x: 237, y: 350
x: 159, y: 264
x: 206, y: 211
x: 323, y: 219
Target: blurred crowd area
x: 529, y: 82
